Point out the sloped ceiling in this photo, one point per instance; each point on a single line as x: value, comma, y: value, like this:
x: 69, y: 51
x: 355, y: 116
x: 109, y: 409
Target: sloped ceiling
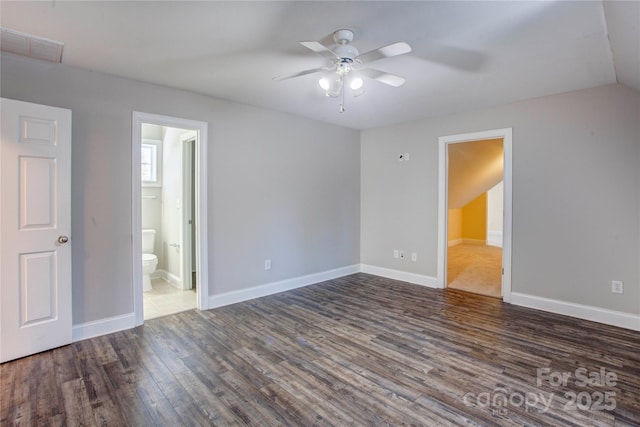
x: 474, y: 167
x: 466, y: 55
x: 623, y: 22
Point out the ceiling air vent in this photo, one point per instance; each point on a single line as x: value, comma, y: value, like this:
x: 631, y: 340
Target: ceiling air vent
x: 30, y: 45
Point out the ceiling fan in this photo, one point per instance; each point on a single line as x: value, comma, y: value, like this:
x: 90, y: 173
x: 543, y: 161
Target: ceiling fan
x: 348, y: 64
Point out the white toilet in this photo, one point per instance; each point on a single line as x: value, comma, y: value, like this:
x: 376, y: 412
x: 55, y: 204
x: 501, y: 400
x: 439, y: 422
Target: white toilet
x: 149, y: 260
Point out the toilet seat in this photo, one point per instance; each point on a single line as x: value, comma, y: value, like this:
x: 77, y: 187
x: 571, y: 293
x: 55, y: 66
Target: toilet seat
x: 149, y: 258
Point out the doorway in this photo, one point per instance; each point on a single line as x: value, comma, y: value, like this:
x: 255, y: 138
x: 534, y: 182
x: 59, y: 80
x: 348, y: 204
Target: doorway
x: 169, y: 215
x: 473, y: 167
x: 475, y: 177
x: 167, y: 220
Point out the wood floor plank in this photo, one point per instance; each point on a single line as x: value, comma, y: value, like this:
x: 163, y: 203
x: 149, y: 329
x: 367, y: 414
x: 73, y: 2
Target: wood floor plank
x: 8, y: 373
x: 188, y: 411
x: 77, y: 406
x: 190, y: 397
x: 21, y: 395
x: 358, y: 350
x: 96, y: 391
x: 49, y: 400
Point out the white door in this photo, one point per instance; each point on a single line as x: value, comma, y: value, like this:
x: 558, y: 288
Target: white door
x: 35, y: 222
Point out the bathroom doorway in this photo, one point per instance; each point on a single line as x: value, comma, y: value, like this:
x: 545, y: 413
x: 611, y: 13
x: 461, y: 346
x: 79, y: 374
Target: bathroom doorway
x: 169, y: 227
x: 167, y: 223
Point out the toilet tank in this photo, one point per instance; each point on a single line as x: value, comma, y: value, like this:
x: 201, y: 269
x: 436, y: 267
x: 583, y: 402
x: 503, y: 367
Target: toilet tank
x: 148, y: 240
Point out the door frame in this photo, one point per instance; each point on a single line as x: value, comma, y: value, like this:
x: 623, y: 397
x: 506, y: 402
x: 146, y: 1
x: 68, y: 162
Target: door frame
x: 187, y: 144
x: 443, y: 202
x: 201, y: 214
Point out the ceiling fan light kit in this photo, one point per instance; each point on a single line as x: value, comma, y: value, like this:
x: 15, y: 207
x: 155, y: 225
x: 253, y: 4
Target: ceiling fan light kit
x: 348, y: 65
x: 333, y: 85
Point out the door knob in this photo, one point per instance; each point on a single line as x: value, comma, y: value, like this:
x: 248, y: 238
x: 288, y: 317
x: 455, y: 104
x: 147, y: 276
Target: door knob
x: 63, y: 239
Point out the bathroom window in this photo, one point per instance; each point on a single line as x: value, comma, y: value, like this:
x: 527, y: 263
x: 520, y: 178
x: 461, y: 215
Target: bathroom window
x: 151, y: 163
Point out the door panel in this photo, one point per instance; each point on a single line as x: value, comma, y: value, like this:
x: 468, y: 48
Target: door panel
x: 37, y: 288
x: 38, y: 131
x: 37, y: 177
x: 35, y: 223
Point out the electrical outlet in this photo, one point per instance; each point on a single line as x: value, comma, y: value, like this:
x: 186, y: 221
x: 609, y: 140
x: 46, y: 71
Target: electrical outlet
x: 414, y: 256
x: 406, y: 157
x: 401, y: 254
x: 396, y: 253
x: 267, y: 264
x: 617, y: 287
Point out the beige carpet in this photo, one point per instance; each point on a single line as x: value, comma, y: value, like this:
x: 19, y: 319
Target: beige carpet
x: 475, y: 268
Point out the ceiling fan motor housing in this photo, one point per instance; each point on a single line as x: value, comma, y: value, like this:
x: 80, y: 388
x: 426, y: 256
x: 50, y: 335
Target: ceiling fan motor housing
x: 346, y: 51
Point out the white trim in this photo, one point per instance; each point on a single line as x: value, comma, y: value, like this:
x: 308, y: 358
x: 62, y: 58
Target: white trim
x: 494, y: 238
x: 478, y: 242
x: 188, y: 140
x: 109, y: 325
x: 416, y: 279
x: 241, y: 295
x: 443, y: 215
x: 594, y: 314
x: 444, y: 141
x: 168, y: 277
x: 201, y: 214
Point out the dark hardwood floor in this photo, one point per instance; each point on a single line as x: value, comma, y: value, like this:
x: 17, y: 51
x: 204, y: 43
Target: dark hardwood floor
x: 360, y: 350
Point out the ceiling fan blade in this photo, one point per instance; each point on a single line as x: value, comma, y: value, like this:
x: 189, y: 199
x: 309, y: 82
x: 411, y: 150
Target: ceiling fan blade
x: 320, y: 49
x: 383, y: 77
x: 393, y: 49
x: 299, y: 73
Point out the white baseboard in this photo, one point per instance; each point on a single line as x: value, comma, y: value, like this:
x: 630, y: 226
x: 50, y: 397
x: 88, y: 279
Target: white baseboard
x: 127, y: 321
x: 170, y: 278
x: 494, y: 238
x: 595, y: 314
x: 103, y: 326
x: 467, y: 242
x: 233, y: 297
x: 417, y: 279
x: 474, y: 242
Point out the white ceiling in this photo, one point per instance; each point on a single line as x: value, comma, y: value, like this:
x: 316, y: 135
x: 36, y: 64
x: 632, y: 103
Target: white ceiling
x: 466, y: 55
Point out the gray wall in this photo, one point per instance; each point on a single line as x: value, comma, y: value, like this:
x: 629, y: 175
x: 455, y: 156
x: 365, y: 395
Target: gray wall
x: 280, y: 187
x: 313, y: 197
x: 576, y: 198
